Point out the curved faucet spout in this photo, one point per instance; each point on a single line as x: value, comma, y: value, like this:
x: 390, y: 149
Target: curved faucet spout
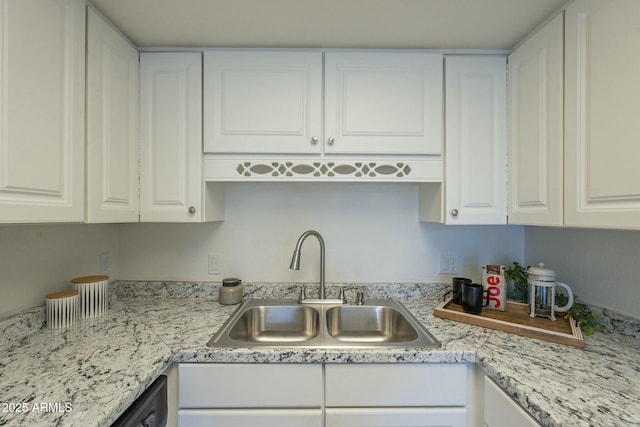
x: 295, y: 260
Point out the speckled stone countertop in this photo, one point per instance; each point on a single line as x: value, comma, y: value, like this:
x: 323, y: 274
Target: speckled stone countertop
x: 90, y: 373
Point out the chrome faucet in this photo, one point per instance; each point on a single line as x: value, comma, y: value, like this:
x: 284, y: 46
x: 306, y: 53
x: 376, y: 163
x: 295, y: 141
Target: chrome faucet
x: 295, y: 260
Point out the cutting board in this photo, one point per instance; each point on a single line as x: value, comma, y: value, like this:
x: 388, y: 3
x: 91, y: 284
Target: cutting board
x: 516, y: 320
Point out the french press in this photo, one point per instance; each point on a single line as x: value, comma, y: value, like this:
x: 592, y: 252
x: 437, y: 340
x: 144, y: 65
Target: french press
x: 542, y: 292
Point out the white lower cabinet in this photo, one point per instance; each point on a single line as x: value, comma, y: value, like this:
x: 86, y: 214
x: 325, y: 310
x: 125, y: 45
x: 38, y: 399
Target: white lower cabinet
x: 251, y: 417
x: 234, y: 395
x: 501, y: 411
x: 364, y: 395
x: 397, y: 417
x: 396, y: 385
x: 432, y: 394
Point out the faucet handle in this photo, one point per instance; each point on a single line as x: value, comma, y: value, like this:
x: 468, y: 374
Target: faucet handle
x: 303, y: 295
x: 342, y: 296
x: 360, y: 298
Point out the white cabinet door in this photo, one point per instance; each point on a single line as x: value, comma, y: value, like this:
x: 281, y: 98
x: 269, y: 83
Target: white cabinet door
x: 238, y: 395
x: 414, y: 384
x: 251, y: 417
x: 171, y: 180
x: 397, y: 417
x: 536, y: 105
x: 271, y: 102
x: 236, y: 385
x: 475, y: 133
x: 262, y: 102
x: 112, y: 124
x: 501, y: 411
x: 383, y: 103
x: 42, y: 56
x: 602, y: 106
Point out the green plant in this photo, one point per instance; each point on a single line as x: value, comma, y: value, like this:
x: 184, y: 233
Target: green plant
x: 588, y: 322
x: 519, y: 275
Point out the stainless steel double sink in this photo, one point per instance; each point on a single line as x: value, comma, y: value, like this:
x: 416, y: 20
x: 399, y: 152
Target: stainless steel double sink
x: 285, y: 323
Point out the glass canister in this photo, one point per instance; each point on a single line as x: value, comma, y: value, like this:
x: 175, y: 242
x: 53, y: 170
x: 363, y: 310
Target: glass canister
x: 231, y: 291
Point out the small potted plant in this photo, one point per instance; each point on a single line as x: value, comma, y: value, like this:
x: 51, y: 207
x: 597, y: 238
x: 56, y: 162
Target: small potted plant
x: 517, y: 286
x: 580, y: 312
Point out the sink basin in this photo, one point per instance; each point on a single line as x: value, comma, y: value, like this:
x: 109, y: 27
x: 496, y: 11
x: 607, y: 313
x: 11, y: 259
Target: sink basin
x: 286, y: 323
x: 276, y: 324
x: 369, y: 324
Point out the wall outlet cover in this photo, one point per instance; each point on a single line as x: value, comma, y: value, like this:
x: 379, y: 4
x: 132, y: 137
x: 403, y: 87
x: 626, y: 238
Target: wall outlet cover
x: 449, y: 264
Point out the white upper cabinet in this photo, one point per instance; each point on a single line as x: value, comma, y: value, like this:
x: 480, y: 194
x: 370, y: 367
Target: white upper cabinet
x: 271, y: 102
x: 475, y: 135
x: 172, y: 188
x: 536, y: 128
x: 42, y: 57
x: 262, y: 102
x: 602, y: 107
x: 383, y: 103
x: 112, y: 124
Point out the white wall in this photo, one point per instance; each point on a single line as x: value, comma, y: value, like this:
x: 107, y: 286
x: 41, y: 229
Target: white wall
x: 36, y: 260
x: 371, y: 232
x: 601, y: 266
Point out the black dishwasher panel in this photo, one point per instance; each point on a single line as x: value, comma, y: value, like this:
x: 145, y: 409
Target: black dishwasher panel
x: 149, y: 410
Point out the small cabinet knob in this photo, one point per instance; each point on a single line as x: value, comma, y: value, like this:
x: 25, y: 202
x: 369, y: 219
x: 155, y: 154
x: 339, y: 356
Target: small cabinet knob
x: 331, y: 140
x: 454, y: 212
x: 314, y: 140
x: 192, y: 210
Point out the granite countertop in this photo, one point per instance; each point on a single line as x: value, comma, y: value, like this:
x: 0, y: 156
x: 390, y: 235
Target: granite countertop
x: 90, y: 373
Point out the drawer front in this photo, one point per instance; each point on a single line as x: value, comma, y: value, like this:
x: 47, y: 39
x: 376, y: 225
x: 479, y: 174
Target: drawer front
x: 234, y: 385
x: 244, y: 418
x: 424, y: 384
x: 398, y: 417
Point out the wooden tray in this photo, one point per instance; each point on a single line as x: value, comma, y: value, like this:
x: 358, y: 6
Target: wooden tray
x: 516, y: 320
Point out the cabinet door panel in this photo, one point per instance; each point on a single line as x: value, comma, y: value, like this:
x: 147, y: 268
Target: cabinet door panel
x: 397, y: 417
x: 383, y: 103
x: 262, y: 102
x: 602, y: 180
x: 431, y: 384
x: 475, y: 172
x: 536, y: 128
x: 246, y: 417
x: 112, y: 124
x: 229, y: 385
x: 42, y: 110
x: 170, y: 136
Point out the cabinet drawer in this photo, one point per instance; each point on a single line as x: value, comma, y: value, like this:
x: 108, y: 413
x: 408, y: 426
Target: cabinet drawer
x: 243, y: 418
x: 399, y: 417
x: 501, y: 411
x: 425, y: 384
x: 233, y: 385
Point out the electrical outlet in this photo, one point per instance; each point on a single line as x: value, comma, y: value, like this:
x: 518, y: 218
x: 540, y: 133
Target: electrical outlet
x: 449, y: 264
x: 105, y: 263
x: 215, y: 264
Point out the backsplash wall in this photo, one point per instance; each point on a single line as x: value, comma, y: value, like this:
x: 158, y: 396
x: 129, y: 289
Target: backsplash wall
x: 599, y: 265
x: 371, y: 231
x: 36, y: 260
